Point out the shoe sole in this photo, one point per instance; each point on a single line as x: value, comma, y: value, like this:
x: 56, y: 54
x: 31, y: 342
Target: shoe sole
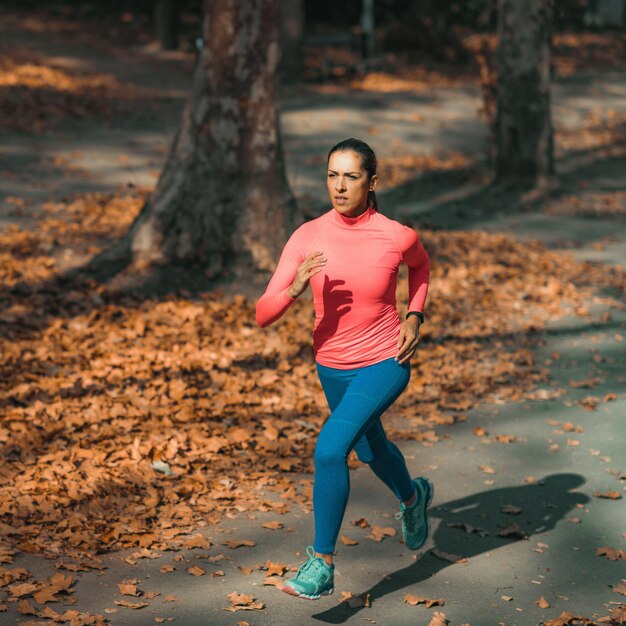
x: 431, y: 492
x: 292, y: 592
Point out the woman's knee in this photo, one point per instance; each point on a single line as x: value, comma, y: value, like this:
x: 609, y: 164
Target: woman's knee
x: 327, y: 455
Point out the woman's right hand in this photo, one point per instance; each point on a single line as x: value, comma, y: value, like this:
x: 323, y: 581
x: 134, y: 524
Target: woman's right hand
x: 313, y: 264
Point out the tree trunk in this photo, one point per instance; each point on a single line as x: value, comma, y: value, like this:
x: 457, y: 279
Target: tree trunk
x: 223, y: 199
x: 166, y: 23
x: 291, y: 34
x: 369, y: 30
x: 524, y: 142
x: 603, y: 13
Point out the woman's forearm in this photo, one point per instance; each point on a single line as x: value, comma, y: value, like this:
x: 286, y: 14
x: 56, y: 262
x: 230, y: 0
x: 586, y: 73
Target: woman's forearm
x: 271, y: 306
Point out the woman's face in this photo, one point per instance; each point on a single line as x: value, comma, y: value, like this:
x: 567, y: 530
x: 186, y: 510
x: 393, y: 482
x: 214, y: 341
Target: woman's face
x: 347, y: 183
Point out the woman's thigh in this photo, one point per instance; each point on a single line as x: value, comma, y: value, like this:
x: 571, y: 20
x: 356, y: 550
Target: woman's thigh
x: 334, y: 383
x: 367, y: 396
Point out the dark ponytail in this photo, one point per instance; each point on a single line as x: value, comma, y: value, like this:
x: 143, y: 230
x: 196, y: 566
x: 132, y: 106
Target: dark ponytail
x: 368, y: 162
x: 371, y: 200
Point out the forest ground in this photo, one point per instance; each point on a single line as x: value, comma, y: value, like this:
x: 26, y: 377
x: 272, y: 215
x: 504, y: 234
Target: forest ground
x: 567, y: 445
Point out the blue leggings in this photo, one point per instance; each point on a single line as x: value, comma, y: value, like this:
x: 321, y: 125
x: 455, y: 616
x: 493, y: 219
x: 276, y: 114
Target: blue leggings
x: 357, y: 398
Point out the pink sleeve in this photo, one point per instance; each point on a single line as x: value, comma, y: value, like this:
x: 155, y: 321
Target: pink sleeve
x: 275, y: 301
x: 418, y: 262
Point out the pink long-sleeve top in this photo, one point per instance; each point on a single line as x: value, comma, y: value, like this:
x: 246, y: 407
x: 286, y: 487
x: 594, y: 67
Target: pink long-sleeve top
x: 354, y: 295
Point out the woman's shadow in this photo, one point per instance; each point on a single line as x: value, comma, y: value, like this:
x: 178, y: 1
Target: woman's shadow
x: 542, y: 503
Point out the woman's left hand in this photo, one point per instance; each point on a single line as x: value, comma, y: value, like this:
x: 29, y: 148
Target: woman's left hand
x: 408, y: 339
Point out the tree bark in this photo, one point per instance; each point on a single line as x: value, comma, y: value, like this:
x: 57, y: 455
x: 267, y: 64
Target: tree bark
x: 222, y: 199
x: 524, y: 138
x: 291, y: 35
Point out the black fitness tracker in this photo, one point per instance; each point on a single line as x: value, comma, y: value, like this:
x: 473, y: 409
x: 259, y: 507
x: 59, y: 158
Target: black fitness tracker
x: 418, y: 314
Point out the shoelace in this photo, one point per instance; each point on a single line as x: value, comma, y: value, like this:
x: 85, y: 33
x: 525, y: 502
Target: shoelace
x: 313, y: 562
x: 411, y: 522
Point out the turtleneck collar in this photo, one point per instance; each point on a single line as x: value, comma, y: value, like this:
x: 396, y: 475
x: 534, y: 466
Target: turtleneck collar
x: 353, y: 222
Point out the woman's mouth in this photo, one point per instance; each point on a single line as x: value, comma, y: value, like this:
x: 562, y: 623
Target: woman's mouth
x: 341, y: 199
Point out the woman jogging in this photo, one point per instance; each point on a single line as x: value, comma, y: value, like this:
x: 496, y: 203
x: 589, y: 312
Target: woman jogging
x: 350, y: 256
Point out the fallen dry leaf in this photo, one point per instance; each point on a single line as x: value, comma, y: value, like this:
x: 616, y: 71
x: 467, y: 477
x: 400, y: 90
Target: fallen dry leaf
x: 361, y: 523
x: 378, y: 533
x: 128, y: 589
x: 217, y: 558
x: 468, y: 529
x: 588, y: 382
x: 438, y: 619
x: 510, y: 509
x: 356, y: 601
x: 273, y: 525
x: 197, y: 541
x: 237, y: 543
x: 447, y: 556
x: 25, y: 607
x: 429, y: 602
x: 620, y: 587
x: 617, y: 615
x: 569, y: 427
x: 347, y: 541
x: 566, y: 618
x: 611, y: 495
x: 47, y: 594
x: 611, y: 553
x: 131, y: 605
x: 504, y: 438
x: 242, y: 602
x: 512, y: 530
x: 275, y: 568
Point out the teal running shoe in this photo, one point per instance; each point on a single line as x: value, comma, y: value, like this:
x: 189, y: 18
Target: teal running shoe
x: 415, y: 517
x: 313, y: 579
